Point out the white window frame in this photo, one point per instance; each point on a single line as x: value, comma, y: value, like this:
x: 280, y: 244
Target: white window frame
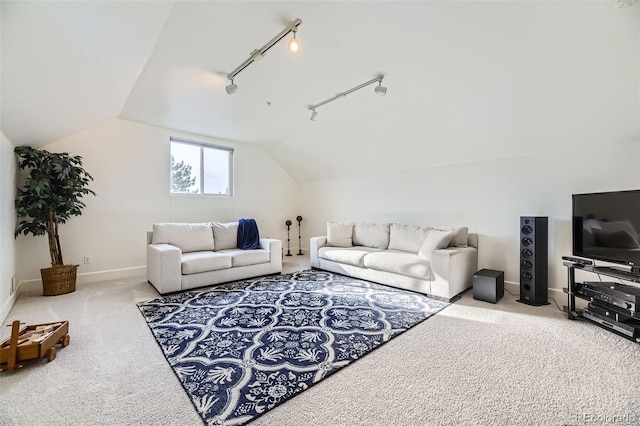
x: 202, y: 146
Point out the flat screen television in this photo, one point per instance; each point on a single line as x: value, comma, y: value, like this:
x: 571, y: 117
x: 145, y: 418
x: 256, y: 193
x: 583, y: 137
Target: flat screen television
x: 606, y: 226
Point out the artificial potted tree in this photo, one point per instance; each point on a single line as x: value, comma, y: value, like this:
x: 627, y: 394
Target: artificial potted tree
x: 51, y: 194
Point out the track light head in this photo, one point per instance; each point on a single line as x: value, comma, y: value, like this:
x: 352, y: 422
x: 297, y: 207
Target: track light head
x: 380, y: 89
x: 294, y: 44
x: 314, y: 115
x: 231, y: 88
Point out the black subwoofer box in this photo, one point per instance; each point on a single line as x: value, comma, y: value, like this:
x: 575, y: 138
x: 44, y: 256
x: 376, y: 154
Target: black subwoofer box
x: 488, y: 285
x: 533, y: 260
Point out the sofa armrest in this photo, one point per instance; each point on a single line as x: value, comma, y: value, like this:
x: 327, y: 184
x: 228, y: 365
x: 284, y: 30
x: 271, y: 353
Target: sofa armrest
x: 314, y: 245
x: 164, y: 267
x: 274, y: 247
x: 270, y: 244
x: 453, y: 270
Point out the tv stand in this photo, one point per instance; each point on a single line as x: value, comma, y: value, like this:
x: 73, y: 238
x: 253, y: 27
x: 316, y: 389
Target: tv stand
x: 632, y: 275
x: 623, y: 321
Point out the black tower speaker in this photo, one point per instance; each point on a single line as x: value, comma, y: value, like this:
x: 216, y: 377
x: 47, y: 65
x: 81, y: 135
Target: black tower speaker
x: 533, y: 260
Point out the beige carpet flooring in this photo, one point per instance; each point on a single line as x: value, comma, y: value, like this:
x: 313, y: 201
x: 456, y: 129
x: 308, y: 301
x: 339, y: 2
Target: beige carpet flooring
x: 474, y: 363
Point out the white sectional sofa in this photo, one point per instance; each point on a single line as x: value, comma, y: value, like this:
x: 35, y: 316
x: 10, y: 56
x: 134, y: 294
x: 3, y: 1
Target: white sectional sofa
x: 182, y: 256
x: 439, y: 262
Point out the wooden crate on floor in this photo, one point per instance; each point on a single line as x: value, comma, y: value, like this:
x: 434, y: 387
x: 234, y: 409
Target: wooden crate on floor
x: 32, y: 342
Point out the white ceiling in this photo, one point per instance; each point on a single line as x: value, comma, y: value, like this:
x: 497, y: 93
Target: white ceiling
x: 464, y: 78
x: 69, y: 65
x: 182, y: 85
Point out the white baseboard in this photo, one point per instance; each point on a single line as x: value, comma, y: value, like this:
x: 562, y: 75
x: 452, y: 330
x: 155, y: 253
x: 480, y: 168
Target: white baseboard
x: 34, y: 286
x: 8, y: 304
x: 113, y: 274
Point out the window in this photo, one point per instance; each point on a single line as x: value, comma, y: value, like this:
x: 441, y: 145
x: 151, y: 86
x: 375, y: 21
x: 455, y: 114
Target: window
x: 198, y: 168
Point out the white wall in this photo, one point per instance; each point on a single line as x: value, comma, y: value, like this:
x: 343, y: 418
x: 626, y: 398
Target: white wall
x: 7, y: 225
x: 523, y: 104
x: 487, y: 196
x: 130, y: 166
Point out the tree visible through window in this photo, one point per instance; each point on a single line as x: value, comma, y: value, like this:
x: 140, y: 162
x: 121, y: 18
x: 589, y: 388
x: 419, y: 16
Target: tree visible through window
x: 198, y: 168
x: 182, y: 180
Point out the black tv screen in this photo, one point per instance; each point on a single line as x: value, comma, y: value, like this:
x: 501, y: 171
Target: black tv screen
x: 606, y: 226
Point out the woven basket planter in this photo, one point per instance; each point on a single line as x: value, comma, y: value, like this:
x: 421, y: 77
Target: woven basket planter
x: 59, y: 279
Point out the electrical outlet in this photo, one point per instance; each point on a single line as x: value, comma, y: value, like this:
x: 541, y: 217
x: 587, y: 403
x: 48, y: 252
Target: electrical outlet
x: 87, y: 260
x: 13, y: 285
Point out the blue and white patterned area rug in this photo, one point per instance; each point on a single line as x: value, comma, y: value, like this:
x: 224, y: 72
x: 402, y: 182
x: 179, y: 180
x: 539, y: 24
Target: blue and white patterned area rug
x: 242, y: 348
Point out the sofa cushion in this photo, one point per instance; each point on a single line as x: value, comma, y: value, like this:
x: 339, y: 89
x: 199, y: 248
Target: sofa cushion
x: 399, y: 262
x: 371, y: 235
x: 407, y: 237
x: 436, y: 239
x: 187, y: 237
x: 348, y: 255
x: 204, y: 261
x: 225, y: 235
x: 339, y: 234
x: 241, y: 257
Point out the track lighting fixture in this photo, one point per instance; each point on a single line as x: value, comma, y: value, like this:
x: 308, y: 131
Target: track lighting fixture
x: 294, y: 44
x: 257, y: 54
x: 231, y: 88
x: 379, y: 90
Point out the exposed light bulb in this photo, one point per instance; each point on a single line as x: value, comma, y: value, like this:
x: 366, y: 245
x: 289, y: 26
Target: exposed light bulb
x: 314, y: 115
x: 294, y: 44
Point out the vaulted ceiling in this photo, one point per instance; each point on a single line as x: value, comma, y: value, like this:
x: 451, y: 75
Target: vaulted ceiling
x: 483, y: 66
x: 70, y: 65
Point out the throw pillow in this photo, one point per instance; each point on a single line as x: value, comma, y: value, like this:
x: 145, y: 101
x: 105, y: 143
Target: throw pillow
x: 460, y: 236
x: 436, y: 239
x: 339, y: 234
x: 225, y: 235
x: 407, y: 238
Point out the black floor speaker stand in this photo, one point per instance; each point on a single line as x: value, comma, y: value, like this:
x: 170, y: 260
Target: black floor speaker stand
x: 288, y: 223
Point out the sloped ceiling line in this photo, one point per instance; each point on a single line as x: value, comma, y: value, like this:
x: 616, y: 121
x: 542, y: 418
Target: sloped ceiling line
x: 148, y: 57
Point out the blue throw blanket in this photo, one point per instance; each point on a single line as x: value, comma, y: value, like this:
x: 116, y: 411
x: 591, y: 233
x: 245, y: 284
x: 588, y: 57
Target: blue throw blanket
x: 248, y: 236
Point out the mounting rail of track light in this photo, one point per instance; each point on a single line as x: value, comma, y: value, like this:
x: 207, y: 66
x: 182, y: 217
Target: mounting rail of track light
x: 379, y: 90
x: 625, y: 3
x: 257, y: 54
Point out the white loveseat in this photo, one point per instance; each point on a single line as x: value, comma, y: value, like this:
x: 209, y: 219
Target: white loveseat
x: 182, y: 256
x: 439, y: 262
